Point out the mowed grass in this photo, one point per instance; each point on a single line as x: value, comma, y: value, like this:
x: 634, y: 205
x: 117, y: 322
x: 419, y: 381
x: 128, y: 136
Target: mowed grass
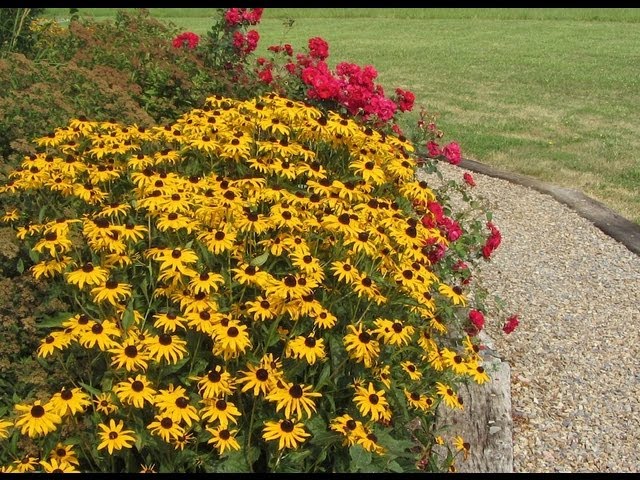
x: 550, y: 93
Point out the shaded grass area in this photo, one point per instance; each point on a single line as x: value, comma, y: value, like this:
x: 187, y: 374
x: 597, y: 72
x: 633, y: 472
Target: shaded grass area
x: 551, y: 93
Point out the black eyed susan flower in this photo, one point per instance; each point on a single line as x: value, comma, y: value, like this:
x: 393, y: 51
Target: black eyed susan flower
x: 454, y: 361
x: 448, y: 395
x: 411, y: 369
x: 54, y: 341
x: 114, y: 437
x: 130, y: 355
x: 144, y: 468
x: 70, y: 401
x: 111, y: 292
x: 174, y: 403
x: 289, y: 434
x: 258, y: 378
x: 171, y: 348
x: 309, y: 348
x: 349, y: 427
x: 164, y: 427
x: 100, y: 334
x: 218, y: 240
x: 418, y: 401
x: 231, y: 340
x: 263, y: 308
x: 293, y: 398
x: 53, y: 243
x: 37, y: 419
x: 461, y: 446
x: 57, y: 466
x: 64, y: 453
x: 4, y: 428
x: 216, y: 383
x: 393, y: 332
x: 103, y: 403
x: 182, y: 441
x: 135, y: 391
x: 477, y: 372
x: 206, y: 282
x: 361, y: 346
x: 50, y: 268
x: 219, y: 410
x: 26, y: 464
x: 371, y: 402
x: 223, y: 439
x: 168, y: 322
x: 455, y: 294
x: 323, y: 319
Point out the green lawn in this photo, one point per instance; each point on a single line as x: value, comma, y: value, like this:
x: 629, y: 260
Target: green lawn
x: 551, y: 93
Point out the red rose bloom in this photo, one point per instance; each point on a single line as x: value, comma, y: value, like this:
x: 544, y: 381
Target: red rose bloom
x: 318, y: 48
x: 469, y: 179
x: 452, y: 153
x: 511, y: 324
x: 434, y: 149
x: 189, y: 40
x: 477, y: 318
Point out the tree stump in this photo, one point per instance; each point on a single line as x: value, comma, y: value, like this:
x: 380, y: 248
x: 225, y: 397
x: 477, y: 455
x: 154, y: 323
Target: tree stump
x: 485, y: 422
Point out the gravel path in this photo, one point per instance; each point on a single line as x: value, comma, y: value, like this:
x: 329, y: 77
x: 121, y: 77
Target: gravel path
x: 575, y: 358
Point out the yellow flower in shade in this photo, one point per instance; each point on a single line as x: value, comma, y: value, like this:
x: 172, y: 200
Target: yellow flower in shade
x: 182, y: 441
x: 450, y: 397
x: 361, y: 346
x: 54, y: 341
x: 4, y: 428
x: 349, y: 427
x: 170, y: 347
x: 263, y: 309
x: 113, y: 437
x: 148, y: 468
x: 216, y: 383
x: 412, y: 369
x: 293, y: 398
x: 26, y: 464
x: 164, y: 427
x: 57, y: 466
x: 135, y: 391
x: 371, y: 401
x: 175, y: 404
x: 453, y: 293
x: 100, y: 334
x: 70, y: 401
x: 64, y: 453
x: 288, y: 433
x: 130, y: 355
x: 461, y: 446
x: 454, y: 361
x: 54, y: 244
x: 306, y: 347
x: 111, y: 292
x: 223, y: 439
x: 369, y: 442
x: 103, y: 403
x: 10, y: 215
x: 37, y: 419
x: 50, y: 268
x: 415, y: 400
x: 219, y: 410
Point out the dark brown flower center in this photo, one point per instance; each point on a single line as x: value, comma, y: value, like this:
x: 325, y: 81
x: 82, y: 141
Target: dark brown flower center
x: 97, y: 329
x: 374, y: 399
x: 224, y: 434
x: 397, y: 327
x: 364, y: 337
x: 214, y: 377
x: 232, y: 332
x: 221, y: 405
x: 166, y: 422
x: 262, y: 374
x: 113, y: 435
x: 37, y: 411
x: 131, y: 351
x: 286, y: 426
x: 165, y: 339
x: 182, y: 402
x: 310, y: 342
x: 137, y: 386
x: 66, y: 394
x: 296, y: 391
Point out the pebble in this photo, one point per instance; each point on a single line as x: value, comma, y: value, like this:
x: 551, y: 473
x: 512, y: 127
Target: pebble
x: 574, y: 357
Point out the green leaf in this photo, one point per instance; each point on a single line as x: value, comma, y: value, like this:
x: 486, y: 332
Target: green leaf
x: 90, y: 389
x: 128, y: 317
x: 34, y: 256
x: 260, y: 259
x: 20, y: 266
x: 54, y: 320
x: 360, y: 458
x: 324, y: 375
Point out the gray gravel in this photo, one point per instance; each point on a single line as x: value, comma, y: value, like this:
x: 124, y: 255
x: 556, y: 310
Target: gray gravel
x: 575, y: 358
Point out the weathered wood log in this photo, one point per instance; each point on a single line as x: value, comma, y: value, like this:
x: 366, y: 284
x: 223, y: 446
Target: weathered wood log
x: 485, y: 422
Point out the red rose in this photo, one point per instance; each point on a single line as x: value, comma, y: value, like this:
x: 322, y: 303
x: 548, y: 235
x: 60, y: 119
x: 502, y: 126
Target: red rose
x: 477, y: 318
x: 511, y: 324
x: 434, y: 149
x: 469, y: 179
x: 452, y: 153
